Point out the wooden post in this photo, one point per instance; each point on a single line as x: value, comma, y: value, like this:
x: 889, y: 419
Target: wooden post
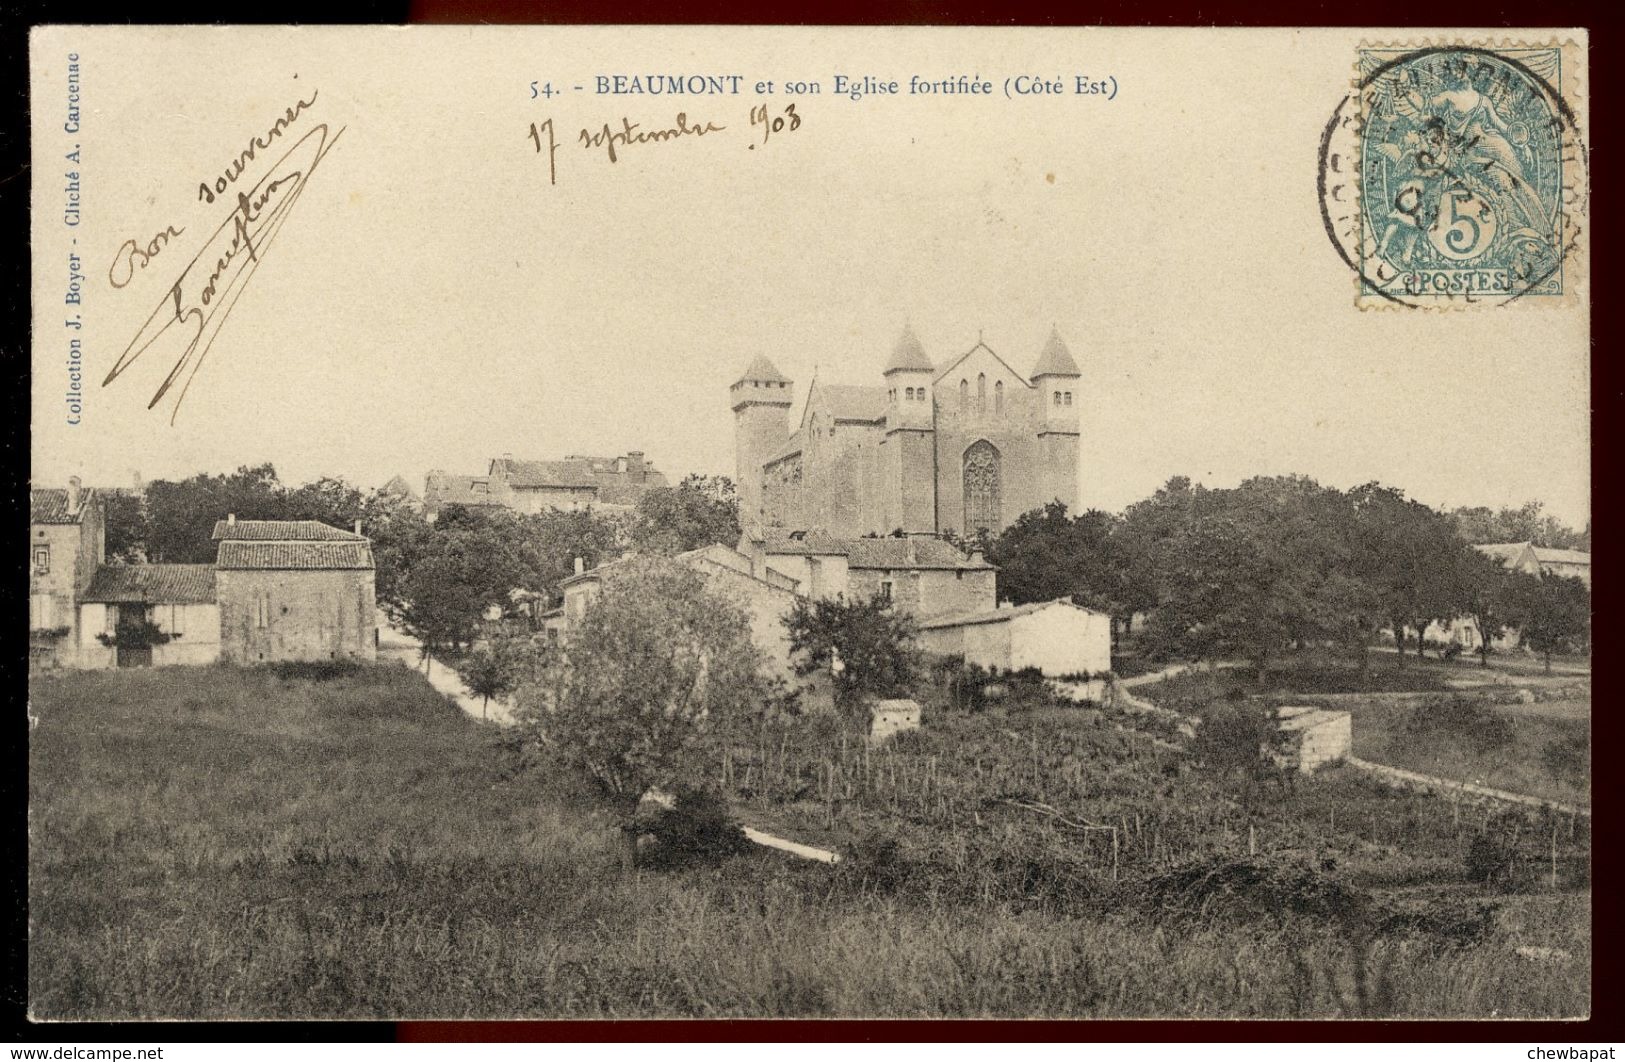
x: 1114, y: 853
x: 1554, y: 855
x: 1252, y: 841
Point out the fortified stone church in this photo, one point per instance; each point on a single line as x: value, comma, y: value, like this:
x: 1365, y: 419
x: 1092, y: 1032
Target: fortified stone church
x: 963, y: 447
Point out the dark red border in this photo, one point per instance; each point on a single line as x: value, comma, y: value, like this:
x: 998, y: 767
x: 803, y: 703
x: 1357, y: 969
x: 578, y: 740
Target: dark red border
x: 1607, y: 390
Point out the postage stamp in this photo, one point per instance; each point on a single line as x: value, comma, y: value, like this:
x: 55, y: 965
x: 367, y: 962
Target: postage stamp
x: 1458, y: 175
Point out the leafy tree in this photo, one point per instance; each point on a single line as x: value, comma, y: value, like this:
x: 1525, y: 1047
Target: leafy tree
x: 655, y: 664
x: 496, y: 667
x: 1490, y: 597
x: 125, y: 516
x: 438, y: 605
x: 1046, y: 555
x: 1241, y: 738
x: 1552, y: 611
x: 1410, y: 557
x: 866, y: 646
x: 1253, y: 570
x: 181, y: 515
x: 699, y: 511
x: 1526, y: 523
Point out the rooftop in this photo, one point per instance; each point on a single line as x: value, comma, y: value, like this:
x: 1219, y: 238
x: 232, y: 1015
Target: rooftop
x: 998, y: 615
x: 1055, y: 359
x: 281, y: 531
x: 49, y: 505
x: 156, y: 584
x: 294, y: 556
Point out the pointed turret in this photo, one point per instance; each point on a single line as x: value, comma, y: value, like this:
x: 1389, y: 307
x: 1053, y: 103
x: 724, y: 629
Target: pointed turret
x: 1055, y: 359
x: 908, y: 355
x: 908, y: 384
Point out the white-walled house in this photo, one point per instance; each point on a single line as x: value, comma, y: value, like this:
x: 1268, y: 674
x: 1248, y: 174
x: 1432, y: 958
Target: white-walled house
x: 1056, y: 637
x: 178, y: 598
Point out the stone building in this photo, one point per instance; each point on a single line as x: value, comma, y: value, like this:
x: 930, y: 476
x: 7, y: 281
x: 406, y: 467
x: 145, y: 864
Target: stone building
x: 764, y: 596
x: 67, y: 541
x: 294, y: 590
x: 962, y: 447
x: 1056, y: 637
x: 528, y: 486
x: 919, y: 574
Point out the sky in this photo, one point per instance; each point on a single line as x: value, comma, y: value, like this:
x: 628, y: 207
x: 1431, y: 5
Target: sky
x: 434, y: 300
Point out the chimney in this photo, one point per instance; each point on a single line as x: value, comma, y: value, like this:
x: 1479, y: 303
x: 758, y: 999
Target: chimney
x: 635, y: 466
x: 73, y: 495
x: 358, y: 525
x: 620, y: 466
x: 231, y: 519
x: 976, y: 558
x: 581, y: 566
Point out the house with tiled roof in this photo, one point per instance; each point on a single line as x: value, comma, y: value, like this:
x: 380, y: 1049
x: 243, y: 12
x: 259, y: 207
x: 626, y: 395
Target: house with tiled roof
x: 1055, y: 637
x: 67, y: 541
x: 531, y: 486
x: 921, y: 574
x: 177, y: 600
x: 278, y: 590
x: 1536, y: 560
x: 963, y: 446
x: 294, y: 590
x: 764, y: 596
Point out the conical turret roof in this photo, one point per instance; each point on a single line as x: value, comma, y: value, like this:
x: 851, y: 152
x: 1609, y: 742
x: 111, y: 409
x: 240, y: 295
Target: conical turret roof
x: 762, y: 369
x: 909, y: 355
x: 1055, y: 359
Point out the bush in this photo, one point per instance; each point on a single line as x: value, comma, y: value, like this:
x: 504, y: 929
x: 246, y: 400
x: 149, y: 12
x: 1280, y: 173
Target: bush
x: 697, y: 830
x: 1465, y: 719
x: 314, y: 670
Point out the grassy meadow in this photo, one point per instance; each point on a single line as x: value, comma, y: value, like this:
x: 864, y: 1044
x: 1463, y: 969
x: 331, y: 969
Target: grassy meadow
x: 211, y: 842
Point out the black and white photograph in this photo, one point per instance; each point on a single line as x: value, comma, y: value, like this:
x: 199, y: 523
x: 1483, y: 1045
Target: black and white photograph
x: 639, y: 522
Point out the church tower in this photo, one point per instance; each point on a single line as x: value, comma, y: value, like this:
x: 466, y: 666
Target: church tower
x: 1057, y: 381
x: 910, y: 438
x: 761, y: 405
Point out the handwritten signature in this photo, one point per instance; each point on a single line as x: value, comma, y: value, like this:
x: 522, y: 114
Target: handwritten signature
x: 188, y: 319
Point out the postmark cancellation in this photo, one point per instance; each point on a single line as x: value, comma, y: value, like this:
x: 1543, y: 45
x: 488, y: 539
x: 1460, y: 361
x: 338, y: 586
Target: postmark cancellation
x: 1455, y: 174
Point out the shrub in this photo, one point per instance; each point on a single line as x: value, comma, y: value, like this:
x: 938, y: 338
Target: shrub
x: 313, y: 670
x: 1465, y: 719
x: 697, y: 830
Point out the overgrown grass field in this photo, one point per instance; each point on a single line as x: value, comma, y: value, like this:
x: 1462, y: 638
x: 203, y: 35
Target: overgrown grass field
x: 215, y: 842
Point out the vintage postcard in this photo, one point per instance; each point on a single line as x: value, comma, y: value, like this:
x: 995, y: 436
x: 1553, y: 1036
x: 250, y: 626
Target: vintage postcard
x: 630, y: 522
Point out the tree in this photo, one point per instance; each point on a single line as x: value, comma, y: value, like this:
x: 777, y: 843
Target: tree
x: 125, y: 516
x: 181, y: 515
x: 1252, y: 570
x: 1527, y: 523
x: 1411, y: 558
x: 655, y: 664
x: 1239, y: 737
x: 866, y: 646
x: 496, y: 667
x: 1552, y: 611
x: 438, y: 605
x: 1046, y: 555
x: 699, y: 511
x: 1488, y: 594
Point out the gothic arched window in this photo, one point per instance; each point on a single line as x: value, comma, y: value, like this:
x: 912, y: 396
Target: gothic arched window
x: 982, y: 487
x: 964, y: 394
x: 981, y: 392
x: 998, y: 397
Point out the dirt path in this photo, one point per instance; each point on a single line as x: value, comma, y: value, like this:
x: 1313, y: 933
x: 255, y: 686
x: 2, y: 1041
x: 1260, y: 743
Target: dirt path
x: 1400, y: 777
x: 400, y: 646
